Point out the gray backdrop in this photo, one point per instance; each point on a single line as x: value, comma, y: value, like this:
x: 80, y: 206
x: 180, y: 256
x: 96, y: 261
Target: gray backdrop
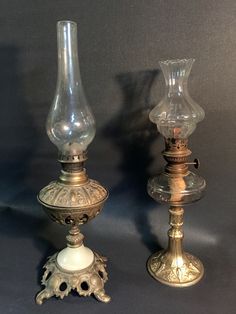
x: 120, y: 44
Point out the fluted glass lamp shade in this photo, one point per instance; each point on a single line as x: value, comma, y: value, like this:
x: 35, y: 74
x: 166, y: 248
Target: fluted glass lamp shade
x: 177, y: 114
x: 70, y: 123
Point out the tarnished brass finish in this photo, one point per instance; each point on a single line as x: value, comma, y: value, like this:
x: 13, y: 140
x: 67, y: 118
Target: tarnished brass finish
x: 176, y: 154
x: 73, y: 199
x: 173, y: 266
x: 59, y: 282
x: 75, y: 237
x: 73, y: 158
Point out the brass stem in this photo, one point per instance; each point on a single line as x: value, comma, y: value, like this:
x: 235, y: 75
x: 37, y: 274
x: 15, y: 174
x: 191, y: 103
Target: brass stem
x: 75, y: 237
x: 175, y: 233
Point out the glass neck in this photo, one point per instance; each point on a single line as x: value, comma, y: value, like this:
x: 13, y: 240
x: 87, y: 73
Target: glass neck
x: 176, y: 85
x: 176, y: 73
x: 68, y: 63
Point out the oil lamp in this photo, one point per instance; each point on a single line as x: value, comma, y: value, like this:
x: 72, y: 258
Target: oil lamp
x: 73, y: 199
x: 176, y: 117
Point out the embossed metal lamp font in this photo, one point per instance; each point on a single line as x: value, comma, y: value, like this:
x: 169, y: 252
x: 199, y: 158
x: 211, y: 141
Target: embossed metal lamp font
x: 73, y: 199
x: 176, y: 117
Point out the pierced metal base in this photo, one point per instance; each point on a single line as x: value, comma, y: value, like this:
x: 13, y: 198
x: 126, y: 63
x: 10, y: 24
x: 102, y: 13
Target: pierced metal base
x: 59, y: 282
x: 176, y: 271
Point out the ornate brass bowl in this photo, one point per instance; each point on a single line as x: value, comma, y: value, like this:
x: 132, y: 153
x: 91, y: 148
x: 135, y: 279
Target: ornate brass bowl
x: 73, y: 204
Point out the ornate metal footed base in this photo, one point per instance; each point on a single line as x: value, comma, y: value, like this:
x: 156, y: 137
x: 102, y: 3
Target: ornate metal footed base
x: 175, y: 271
x: 173, y: 266
x: 59, y: 282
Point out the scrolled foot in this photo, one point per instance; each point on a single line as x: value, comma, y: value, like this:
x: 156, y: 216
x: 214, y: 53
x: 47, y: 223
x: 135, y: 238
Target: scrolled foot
x: 100, y: 295
x: 43, y: 295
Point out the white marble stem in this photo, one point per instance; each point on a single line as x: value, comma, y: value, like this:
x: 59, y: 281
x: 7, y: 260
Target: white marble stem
x: 74, y: 259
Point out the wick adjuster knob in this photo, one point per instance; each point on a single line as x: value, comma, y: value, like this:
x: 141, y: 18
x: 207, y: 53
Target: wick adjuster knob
x: 196, y: 163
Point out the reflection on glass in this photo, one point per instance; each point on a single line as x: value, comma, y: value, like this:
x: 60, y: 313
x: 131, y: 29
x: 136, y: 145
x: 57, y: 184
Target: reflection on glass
x: 177, y: 114
x: 70, y: 123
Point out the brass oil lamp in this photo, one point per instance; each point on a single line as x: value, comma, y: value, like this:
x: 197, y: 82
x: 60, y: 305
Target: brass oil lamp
x: 176, y: 117
x: 73, y: 199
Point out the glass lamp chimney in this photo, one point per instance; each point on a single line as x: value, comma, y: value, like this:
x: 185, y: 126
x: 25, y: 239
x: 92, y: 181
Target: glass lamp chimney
x: 70, y: 123
x: 177, y: 114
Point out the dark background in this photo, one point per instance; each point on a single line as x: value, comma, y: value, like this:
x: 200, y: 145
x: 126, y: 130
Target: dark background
x: 120, y: 44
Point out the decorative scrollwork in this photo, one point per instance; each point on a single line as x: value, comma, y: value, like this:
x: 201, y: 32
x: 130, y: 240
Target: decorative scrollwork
x: 68, y: 196
x: 88, y: 281
x: 166, y: 270
x: 71, y: 204
x: 77, y: 216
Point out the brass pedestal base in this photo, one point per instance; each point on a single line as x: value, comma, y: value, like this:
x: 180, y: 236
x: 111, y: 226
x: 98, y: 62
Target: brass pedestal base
x: 59, y: 282
x: 173, y: 270
x: 176, y: 186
